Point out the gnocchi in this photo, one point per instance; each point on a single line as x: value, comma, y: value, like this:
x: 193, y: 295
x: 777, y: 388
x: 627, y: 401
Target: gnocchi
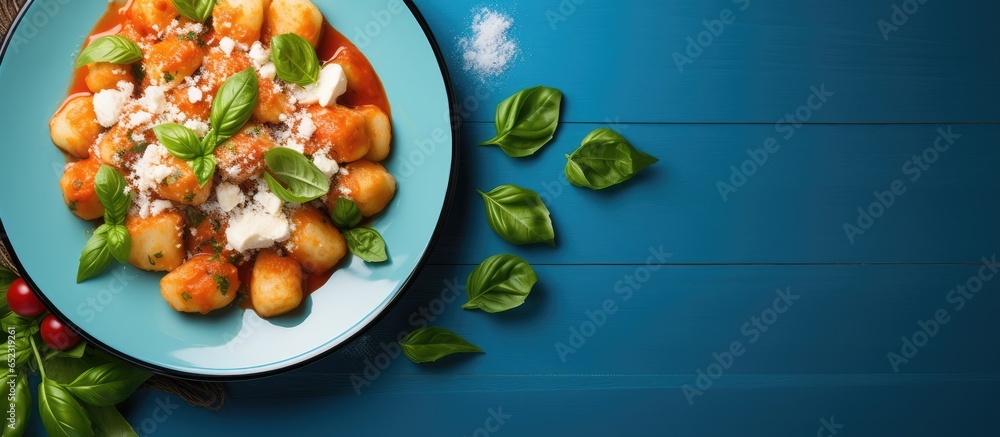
x: 229, y: 233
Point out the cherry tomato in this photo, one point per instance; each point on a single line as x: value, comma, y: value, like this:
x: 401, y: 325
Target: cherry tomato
x: 23, y: 301
x: 57, y: 335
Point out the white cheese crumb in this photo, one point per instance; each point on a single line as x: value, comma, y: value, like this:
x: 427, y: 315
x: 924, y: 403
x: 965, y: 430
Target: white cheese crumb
x: 108, y: 104
x: 195, y: 95
x: 227, y: 45
x: 155, y: 100
x: 296, y: 146
x: 307, y: 128
x: 270, y: 203
x: 138, y: 119
x: 229, y: 196
x: 257, y: 231
x: 268, y: 71
x: 157, y: 207
x: 331, y: 85
x: 199, y: 127
x: 259, y: 55
x: 326, y: 165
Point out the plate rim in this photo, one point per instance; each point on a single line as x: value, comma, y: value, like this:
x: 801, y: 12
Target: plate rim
x: 404, y: 287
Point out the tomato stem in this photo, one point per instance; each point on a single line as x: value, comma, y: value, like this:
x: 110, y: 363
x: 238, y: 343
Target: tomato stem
x: 38, y: 357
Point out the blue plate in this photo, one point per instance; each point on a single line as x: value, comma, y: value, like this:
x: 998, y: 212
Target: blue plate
x: 122, y: 310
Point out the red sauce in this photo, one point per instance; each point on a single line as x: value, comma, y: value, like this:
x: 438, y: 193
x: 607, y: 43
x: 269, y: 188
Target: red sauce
x: 110, y: 23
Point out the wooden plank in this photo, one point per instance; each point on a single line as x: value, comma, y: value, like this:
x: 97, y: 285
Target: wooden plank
x: 666, y: 324
x: 617, y: 62
x: 944, y: 408
x: 790, y: 210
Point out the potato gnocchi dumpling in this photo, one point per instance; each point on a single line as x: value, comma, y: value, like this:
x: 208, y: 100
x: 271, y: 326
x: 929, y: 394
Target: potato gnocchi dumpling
x: 226, y: 237
x: 300, y: 17
x: 201, y: 285
x: 316, y: 243
x: 368, y: 184
x: 77, y: 185
x: 157, y: 241
x: 75, y: 128
x: 275, y: 284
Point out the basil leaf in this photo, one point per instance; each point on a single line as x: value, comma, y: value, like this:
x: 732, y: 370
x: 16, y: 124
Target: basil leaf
x: 114, y: 49
x: 518, y: 215
x: 22, y: 328
x: 367, y: 244
x: 21, y: 405
x: 179, y: 141
x: 204, y: 168
x: 110, y: 186
x: 108, y: 384
x: 294, y: 59
x: 304, y: 180
x: 61, y: 414
x: 120, y: 243
x: 433, y: 343
x: 500, y: 283
x: 346, y: 214
x: 527, y: 121
x: 196, y: 10
x: 233, y: 105
x: 74, y: 352
x: 108, y: 422
x: 96, y: 255
x: 605, y: 159
x: 7, y: 278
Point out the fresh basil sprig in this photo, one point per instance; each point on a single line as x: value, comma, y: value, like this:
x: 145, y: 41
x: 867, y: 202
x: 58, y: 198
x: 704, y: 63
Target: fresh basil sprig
x: 294, y: 59
x: 518, y: 215
x: 605, y: 159
x: 113, y: 49
x: 231, y: 110
x: 367, y: 244
x: 527, y: 121
x: 346, y: 214
x: 107, y: 384
x: 304, y: 180
x: 196, y: 10
x: 109, y: 422
x: 233, y: 105
x: 110, y: 240
x: 432, y: 343
x: 61, y: 413
x: 500, y: 283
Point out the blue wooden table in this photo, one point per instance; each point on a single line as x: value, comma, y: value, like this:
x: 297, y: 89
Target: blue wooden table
x: 813, y: 255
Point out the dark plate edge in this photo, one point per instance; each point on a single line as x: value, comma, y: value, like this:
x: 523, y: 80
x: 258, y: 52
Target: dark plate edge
x: 421, y: 263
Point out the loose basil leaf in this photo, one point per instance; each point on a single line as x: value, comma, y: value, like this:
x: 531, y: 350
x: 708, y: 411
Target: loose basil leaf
x: 518, y: 215
x: 74, y: 352
x: 113, y: 49
x: 294, y: 59
x: 346, y: 214
x: 527, y: 121
x: 110, y: 186
x: 22, y: 328
x: 61, y: 414
x: 204, y: 168
x: 108, y: 384
x: 196, y: 10
x: 120, y: 243
x: 179, y: 141
x: 367, y: 244
x: 500, y: 283
x: 65, y: 369
x: 108, y: 422
x: 605, y: 159
x: 433, y: 343
x: 233, y: 105
x: 21, y: 405
x: 304, y: 180
x: 96, y: 255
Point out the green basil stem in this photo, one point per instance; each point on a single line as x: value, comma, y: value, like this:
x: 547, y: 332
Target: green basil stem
x: 38, y: 357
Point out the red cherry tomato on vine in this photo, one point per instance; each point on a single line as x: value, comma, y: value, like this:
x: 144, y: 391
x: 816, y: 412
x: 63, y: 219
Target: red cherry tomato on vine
x: 23, y: 301
x: 57, y: 335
